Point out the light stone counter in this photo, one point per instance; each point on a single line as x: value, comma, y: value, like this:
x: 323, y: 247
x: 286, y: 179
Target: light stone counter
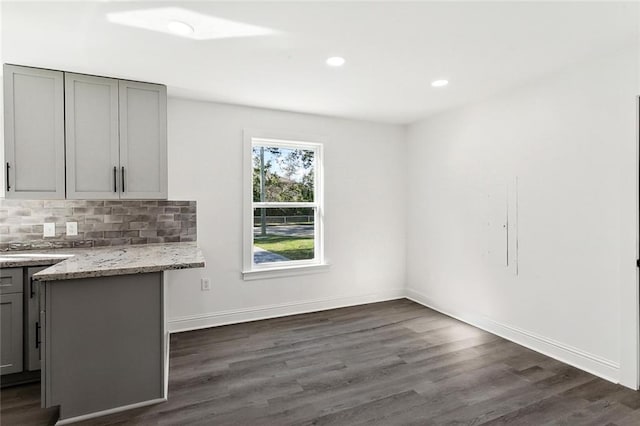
x: 107, y: 261
x: 21, y: 259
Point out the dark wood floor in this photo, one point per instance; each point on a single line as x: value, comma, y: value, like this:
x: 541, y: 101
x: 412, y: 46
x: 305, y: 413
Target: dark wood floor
x: 391, y: 363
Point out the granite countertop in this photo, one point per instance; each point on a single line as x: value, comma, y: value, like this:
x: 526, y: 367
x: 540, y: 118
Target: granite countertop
x: 107, y: 261
x: 19, y: 259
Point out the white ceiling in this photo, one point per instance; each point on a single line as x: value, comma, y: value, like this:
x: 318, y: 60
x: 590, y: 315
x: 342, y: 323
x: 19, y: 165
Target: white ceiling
x: 393, y: 50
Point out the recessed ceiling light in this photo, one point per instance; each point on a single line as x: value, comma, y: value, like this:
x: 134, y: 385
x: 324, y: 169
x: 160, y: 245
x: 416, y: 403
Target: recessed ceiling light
x: 186, y: 23
x: 180, y: 28
x: 439, y: 83
x: 335, y: 61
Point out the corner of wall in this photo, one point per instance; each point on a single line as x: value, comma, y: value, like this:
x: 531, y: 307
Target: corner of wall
x: 578, y: 358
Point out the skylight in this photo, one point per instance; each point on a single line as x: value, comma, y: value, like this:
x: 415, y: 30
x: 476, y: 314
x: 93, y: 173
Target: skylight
x: 186, y: 23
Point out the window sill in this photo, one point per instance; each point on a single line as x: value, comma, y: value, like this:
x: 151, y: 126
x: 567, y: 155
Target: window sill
x: 287, y: 271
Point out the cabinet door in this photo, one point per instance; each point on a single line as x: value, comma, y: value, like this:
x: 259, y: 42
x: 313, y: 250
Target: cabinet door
x: 10, y: 333
x: 92, y: 146
x: 34, y: 133
x: 45, y: 381
x: 143, y: 140
x: 33, y: 328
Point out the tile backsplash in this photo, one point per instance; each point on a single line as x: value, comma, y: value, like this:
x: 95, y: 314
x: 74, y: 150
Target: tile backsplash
x: 100, y: 222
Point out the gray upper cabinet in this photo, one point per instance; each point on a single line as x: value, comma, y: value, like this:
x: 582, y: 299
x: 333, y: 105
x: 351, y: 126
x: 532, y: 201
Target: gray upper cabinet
x: 92, y: 143
x: 112, y: 134
x: 34, y: 133
x: 143, y: 140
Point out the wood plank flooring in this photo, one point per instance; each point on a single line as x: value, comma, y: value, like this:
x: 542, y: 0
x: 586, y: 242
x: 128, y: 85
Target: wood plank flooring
x: 390, y: 363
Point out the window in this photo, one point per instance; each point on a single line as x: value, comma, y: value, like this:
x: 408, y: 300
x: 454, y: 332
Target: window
x: 283, y: 206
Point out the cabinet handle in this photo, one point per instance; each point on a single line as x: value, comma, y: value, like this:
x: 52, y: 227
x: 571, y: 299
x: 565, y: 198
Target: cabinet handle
x: 31, y: 290
x: 115, y: 179
x: 122, y: 178
x: 8, y: 186
x: 37, y: 335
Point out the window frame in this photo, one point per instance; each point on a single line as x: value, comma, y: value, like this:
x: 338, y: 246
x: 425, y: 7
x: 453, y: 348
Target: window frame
x: 252, y: 270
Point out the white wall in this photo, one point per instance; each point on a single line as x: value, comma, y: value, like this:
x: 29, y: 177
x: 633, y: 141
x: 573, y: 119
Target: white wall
x: 365, y: 184
x: 571, y: 141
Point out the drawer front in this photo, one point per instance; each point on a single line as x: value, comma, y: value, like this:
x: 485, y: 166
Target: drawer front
x: 11, y: 280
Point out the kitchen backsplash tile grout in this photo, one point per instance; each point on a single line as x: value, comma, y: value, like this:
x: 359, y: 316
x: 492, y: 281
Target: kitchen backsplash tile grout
x: 100, y: 222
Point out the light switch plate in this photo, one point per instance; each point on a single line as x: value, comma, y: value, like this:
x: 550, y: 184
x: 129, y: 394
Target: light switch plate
x: 72, y: 228
x: 49, y: 230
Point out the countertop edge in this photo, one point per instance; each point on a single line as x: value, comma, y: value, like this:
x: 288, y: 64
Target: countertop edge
x: 44, y: 276
x: 29, y: 263
x: 106, y: 262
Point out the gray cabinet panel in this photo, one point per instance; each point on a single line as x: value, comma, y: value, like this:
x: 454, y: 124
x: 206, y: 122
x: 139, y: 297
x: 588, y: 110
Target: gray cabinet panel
x: 34, y: 133
x: 10, y: 280
x: 33, y: 330
x: 45, y: 380
x: 143, y: 140
x: 92, y: 145
x: 11, y: 333
x: 103, y: 344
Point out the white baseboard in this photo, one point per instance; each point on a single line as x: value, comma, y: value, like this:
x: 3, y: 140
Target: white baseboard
x: 109, y: 411
x: 578, y: 358
x: 235, y: 316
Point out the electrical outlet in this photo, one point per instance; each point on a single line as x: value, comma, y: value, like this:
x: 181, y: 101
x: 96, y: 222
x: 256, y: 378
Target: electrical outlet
x: 72, y: 228
x: 205, y: 284
x: 49, y: 230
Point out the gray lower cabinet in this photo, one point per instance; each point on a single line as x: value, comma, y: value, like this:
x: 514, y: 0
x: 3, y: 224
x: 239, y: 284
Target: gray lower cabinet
x: 11, y: 280
x: 11, y: 321
x: 32, y: 317
x: 34, y: 133
x: 103, y: 343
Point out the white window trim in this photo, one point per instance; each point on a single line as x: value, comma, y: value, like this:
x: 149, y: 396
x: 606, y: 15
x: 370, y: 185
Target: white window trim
x: 252, y: 271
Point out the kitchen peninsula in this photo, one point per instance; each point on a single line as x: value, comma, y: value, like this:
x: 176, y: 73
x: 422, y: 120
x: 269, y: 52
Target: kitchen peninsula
x: 103, y: 339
